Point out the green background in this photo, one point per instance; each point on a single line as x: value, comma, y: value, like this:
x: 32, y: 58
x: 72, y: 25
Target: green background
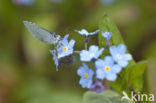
x: 27, y: 72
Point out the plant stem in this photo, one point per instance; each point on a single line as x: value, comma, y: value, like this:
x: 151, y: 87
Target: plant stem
x: 86, y: 45
x: 77, y: 52
x: 106, y: 84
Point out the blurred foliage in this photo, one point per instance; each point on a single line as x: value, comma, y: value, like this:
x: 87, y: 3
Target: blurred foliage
x: 27, y: 72
x: 105, y: 97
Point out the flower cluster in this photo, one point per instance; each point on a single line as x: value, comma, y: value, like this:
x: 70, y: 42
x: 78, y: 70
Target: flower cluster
x: 64, y: 49
x: 105, y: 69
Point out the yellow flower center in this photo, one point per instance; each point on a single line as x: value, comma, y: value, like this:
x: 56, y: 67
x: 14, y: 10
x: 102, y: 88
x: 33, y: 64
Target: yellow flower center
x: 65, y: 49
x: 119, y: 56
x: 86, y: 76
x: 107, y: 68
x: 92, y: 54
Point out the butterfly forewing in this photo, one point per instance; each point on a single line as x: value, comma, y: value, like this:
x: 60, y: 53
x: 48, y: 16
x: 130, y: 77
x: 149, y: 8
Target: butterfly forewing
x: 42, y: 34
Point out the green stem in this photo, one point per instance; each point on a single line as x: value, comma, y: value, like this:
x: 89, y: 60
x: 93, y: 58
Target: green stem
x: 86, y: 47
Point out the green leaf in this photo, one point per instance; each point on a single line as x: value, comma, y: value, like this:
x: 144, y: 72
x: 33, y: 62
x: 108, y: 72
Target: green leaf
x: 92, y: 97
x: 105, y: 97
x: 134, y: 75
x: 110, y: 94
x: 120, y: 83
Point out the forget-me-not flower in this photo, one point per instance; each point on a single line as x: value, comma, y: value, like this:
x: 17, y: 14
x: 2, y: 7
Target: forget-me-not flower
x: 97, y: 86
x: 119, y: 55
x: 66, y: 47
x: 107, y: 69
x: 53, y: 52
x: 86, y: 76
x: 84, y: 32
x: 93, y: 53
x: 107, y: 35
x: 55, y: 58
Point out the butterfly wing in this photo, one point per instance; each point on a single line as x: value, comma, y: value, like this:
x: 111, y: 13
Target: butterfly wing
x: 42, y: 34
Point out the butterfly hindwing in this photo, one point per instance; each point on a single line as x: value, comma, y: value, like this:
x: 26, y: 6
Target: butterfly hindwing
x: 41, y: 33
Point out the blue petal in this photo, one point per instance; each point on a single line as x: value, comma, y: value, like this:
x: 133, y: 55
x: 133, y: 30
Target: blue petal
x: 71, y: 43
x: 111, y: 77
x: 84, y: 56
x: 85, y: 66
x: 82, y: 83
x: 109, y: 60
x: 60, y: 49
x: 93, y: 49
x: 127, y: 57
x: 123, y: 63
x: 121, y: 48
x: 85, y: 69
x: 70, y: 51
x: 85, y: 83
x: 93, y: 33
x: 100, y: 74
x: 60, y: 55
x: 100, y: 64
x: 60, y: 52
x: 91, y: 73
x: 116, y: 68
x: 107, y: 35
x: 89, y: 83
x: 53, y: 52
x: 113, y: 50
x: 82, y: 32
x: 56, y: 62
x: 64, y: 40
x: 99, y: 53
x: 80, y: 71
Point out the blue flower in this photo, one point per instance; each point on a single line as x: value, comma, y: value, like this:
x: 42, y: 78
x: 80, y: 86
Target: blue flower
x: 107, y: 35
x: 107, y: 69
x: 84, y: 32
x: 66, y: 47
x: 86, y: 76
x: 53, y: 52
x: 119, y: 55
x: 97, y: 86
x: 93, y: 53
x: 56, y: 60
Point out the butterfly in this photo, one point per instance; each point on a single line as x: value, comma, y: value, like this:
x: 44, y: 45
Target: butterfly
x: 42, y: 34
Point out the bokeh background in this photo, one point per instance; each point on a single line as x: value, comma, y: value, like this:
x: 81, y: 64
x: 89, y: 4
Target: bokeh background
x: 27, y: 72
